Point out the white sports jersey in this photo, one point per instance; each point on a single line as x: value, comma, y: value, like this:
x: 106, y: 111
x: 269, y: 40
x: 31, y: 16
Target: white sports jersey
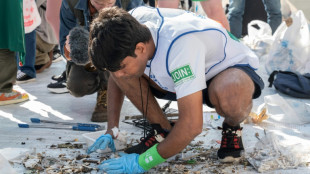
x: 190, y: 49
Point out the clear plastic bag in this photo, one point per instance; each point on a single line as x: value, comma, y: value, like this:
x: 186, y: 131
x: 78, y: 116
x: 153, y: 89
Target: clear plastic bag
x: 271, y: 154
x: 291, y: 111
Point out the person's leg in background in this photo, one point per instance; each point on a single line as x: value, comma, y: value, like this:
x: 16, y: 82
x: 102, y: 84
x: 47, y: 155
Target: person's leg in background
x: 168, y: 3
x: 274, y: 15
x: 27, y: 72
x: 235, y: 16
x: 215, y: 11
x: 8, y: 72
x: 86, y: 80
x: 43, y: 58
x: 100, y: 110
x: 53, y: 18
x: 52, y: 15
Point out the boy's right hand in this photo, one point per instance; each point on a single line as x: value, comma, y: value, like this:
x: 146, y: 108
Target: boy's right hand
x: 102, y: 143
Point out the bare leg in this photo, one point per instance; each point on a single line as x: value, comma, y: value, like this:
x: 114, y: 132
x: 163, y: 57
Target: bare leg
x: 231, y: 94
x: 215, y: 11
x: 131, y: 88
x: 52, y: 15
x: 168, y: 3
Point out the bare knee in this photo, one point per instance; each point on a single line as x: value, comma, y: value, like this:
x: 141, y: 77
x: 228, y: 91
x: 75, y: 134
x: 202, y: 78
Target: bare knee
x: 231, y: 94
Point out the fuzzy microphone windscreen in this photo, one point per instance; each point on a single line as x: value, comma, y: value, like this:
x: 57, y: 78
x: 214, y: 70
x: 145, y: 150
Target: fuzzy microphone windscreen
x: 78, y: 40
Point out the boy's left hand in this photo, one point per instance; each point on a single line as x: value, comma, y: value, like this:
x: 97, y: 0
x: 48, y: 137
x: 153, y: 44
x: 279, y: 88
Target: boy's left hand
x: 127, y: 163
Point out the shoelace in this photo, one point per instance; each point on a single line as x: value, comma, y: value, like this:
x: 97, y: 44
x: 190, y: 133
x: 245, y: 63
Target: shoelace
x: 20, y: 74
x: 229, y: 138
x: 151, y: 139
x: 57, y: 55
x: 102, y: 96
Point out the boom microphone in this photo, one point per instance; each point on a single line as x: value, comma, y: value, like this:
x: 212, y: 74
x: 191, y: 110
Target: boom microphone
x: 78, y: 40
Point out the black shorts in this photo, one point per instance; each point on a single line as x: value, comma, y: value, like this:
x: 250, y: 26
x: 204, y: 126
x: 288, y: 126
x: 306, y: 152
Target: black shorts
x: 258, y: 82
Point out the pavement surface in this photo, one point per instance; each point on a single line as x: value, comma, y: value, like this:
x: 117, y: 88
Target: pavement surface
x: 292, y: 131
x: 303, y: 5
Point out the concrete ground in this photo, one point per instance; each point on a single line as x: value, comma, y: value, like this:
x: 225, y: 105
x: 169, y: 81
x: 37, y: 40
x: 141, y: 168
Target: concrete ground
x: 303, y: 5
x: 64, y: 107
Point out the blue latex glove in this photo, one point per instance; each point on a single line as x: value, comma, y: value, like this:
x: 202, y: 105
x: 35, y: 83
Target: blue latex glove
x: 127, y: 163
x: 102, y: 143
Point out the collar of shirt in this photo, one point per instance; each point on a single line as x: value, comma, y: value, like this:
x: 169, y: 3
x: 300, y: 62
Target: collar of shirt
x: 92, y: 9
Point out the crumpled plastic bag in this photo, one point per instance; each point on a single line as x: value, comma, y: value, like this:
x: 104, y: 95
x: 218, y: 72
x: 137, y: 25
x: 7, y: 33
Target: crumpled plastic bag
x: 284, y: 110
x: 270, y: 154
x: 259, y: 37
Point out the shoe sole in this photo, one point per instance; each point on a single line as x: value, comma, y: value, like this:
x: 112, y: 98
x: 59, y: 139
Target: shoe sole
x: 13, y: 101
x: 58, y: 90
x: 57, y: 80
x: 58, y: 59
x: 229, y: 159
x: 25, y: 81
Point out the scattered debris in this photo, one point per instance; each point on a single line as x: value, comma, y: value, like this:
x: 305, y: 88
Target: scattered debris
x: 79, y: 157
x: 257, y: 118
x: 257, y: 135
x: 96, y: 161
x: 69, y: 145
x: 63, y: 164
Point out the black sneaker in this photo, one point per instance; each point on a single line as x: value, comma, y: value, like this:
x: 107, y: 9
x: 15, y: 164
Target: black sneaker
x: 23, y: 77
x: 156, y: 135
x: 56, y: 55
x: 59, y: 78
x: 231, y: 144
x: 58, y: 87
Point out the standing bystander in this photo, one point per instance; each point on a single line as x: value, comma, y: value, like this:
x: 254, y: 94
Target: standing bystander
x: 236, y: 11
x: 11, y: 41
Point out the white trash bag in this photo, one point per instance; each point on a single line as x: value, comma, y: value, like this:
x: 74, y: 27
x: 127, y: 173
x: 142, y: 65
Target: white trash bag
x: 291, y: 47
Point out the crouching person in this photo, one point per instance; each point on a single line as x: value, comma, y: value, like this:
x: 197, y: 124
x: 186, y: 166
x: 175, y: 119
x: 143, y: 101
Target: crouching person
x: 174, y: 55
x: 82, y: 77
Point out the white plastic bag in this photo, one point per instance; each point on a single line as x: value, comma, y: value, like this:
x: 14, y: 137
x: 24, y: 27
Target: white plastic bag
x: 32, y: 17
x: 259, y: 37
x: 290, y: 50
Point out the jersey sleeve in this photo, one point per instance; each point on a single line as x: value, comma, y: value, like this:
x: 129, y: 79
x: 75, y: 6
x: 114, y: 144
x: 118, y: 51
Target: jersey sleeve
x: 186, y: 65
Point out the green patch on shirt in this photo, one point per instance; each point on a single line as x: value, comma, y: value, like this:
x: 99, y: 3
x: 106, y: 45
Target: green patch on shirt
x: 182, y: 74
